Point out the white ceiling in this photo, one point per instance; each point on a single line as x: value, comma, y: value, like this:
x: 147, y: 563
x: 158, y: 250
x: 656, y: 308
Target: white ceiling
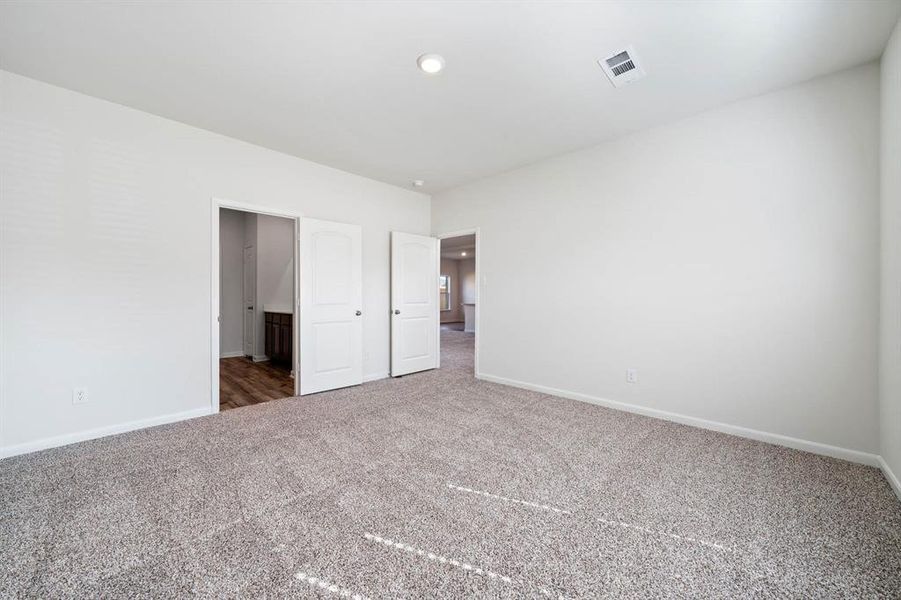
x: 337, y: 82
x: 452, y: 247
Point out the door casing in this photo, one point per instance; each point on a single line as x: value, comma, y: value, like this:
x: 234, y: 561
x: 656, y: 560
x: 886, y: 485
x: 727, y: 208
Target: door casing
x: 215, y: 205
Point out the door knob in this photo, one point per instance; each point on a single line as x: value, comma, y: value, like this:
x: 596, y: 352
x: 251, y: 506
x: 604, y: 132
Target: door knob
x: 397, y: 312
x: 359, y: 312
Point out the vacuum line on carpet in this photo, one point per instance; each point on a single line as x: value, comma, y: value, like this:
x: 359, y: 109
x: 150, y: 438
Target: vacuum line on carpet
x: 506, y: 499
x: 452, y: 562
x: 329, y: 587
x: 670, y: 535
x: 599, y: 519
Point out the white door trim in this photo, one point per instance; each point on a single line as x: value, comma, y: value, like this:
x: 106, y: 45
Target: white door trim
x: 452, y: 234
x: 215, y: 205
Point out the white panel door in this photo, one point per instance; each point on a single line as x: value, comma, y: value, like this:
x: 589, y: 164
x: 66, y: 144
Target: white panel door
x: 414, y: 303
x: 331, y: 304
x: 250, y: 292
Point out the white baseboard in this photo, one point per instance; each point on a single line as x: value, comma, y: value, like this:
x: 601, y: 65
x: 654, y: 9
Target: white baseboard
x: 892, y: 478
x: 235, y: 354
x: 260, y: 358
x: 772, y: 438
x: 90, y: 434
x: 856, y: 456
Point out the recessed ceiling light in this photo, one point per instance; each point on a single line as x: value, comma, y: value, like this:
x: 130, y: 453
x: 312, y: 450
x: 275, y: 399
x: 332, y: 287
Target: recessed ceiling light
x: 430, y: 63
x: 418, y: 183
x: 462, y: 254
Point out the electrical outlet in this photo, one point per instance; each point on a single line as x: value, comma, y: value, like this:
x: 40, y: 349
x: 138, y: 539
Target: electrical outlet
x: 631, y: 376
x: 79, y: 396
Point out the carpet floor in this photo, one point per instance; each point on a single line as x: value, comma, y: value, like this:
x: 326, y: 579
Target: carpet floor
x: 439, y: 485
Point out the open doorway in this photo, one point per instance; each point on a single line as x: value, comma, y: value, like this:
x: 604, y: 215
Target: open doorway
x: 257, y: 297
x: 458, y: 301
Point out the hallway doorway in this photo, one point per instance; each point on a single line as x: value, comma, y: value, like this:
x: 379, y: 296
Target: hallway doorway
x: 458, y: 291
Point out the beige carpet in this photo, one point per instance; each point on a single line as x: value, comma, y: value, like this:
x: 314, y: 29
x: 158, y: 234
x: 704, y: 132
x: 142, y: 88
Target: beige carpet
x: 438, y: 485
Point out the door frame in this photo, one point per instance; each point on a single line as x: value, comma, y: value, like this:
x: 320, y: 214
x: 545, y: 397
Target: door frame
x: 453, y: 234
x: 215, y: 205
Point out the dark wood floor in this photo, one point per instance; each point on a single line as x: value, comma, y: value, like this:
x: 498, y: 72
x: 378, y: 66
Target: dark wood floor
x: 243, y: 382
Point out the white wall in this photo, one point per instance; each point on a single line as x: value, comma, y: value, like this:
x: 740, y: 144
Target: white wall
x: 231, y: 282
x: 275, y: 271
x: 890, y: 350
x: 468, y: 280
x: 450, y: 267
x: 276, y: 260
x: 106, y: 245
x: 731, y: 258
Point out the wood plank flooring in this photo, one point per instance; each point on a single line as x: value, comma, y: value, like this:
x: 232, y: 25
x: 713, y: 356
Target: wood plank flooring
x: 243, y: 382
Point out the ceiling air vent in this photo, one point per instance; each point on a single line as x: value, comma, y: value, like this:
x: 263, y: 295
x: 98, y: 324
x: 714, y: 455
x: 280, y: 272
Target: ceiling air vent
x: 622, y: 67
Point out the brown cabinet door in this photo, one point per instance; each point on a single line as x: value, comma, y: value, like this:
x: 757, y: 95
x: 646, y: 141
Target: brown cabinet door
x: 267, y: 335
x: 279, y: 337
x: 286, y: 341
